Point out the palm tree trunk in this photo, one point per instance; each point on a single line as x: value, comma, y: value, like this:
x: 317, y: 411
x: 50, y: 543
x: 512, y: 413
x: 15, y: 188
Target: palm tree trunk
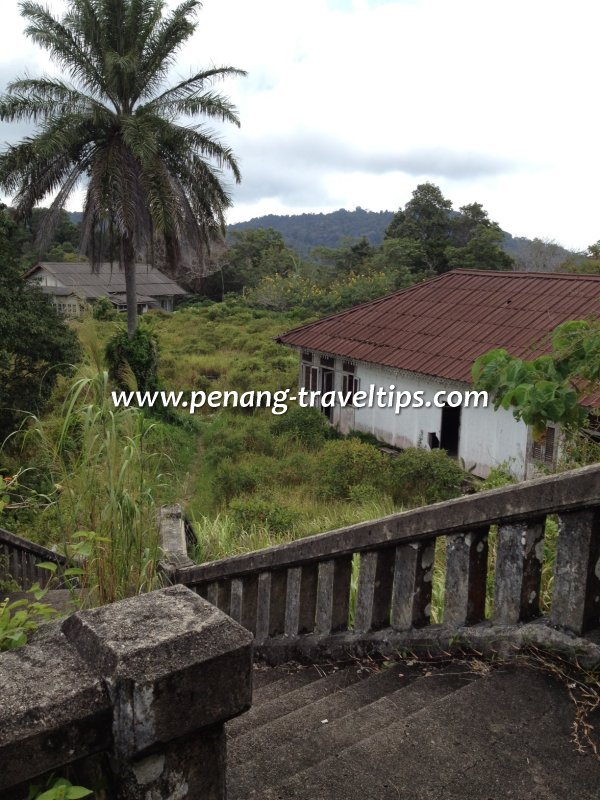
x: 128, y: 260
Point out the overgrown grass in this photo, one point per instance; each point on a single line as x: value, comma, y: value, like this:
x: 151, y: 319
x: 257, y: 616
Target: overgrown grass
x: 101, y: 477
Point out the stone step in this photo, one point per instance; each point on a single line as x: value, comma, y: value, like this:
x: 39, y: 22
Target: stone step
x: 301, y: 721
x: 285, y: 682
x: 269, y: 758
x: 505, y: 735
x: 263, y: 675
x: 266, y: 712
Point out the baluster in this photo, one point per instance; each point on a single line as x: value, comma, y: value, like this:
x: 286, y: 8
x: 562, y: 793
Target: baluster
x: 411, y: 594
x: 308, y: 598
x: 236, y: 602
x: 224, y: 596
x: 249, y: 599
x: 519, y: 559
x: 375, y: 580
x: 333, y: 595
x: 31, y: 569
x: 243, y: 601
x: 466, y: 572
x: 263, y: 606
x: 212, y: 593
x: 292, y: 601
x: 23, y: 563
x: 12, y: 565
x: 576, y: 596
x: 277, y: 602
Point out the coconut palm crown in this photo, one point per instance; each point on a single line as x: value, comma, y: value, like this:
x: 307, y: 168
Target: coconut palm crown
x: 112, y: 122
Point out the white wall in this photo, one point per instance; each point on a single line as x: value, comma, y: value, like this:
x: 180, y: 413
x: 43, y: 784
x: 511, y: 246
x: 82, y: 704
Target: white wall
x: 44, y: 278
x: 487, y: 437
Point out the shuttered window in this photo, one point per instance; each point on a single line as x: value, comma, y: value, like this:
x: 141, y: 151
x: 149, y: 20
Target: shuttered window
x: 544, y: 450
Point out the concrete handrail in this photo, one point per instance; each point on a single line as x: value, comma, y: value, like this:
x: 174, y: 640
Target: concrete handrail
x: 304, y: 587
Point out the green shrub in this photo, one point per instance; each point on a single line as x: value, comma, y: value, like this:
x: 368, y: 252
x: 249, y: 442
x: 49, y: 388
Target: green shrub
x: 306, y: 425
x: 235, y: 435
x: 364, y: 493
x: 231, y: 480
x: 138, y: 353
x: 260, y: 513
x: 347, y: 463
x: 103, y: 309
x: 420, y: 477
x: 498, y: 476
x: 296, y: 468
x: 367, y: 438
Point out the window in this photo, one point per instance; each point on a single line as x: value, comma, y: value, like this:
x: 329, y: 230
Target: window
x: 327, y: 361
x: 306, y: 356
x: 544, y: 449
x: 350, y: 383
x: 310, y: 377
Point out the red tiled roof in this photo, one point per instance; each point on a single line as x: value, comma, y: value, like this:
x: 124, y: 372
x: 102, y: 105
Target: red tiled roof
x: 441, y: 326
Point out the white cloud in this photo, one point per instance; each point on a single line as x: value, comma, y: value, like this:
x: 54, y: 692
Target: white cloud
x: 353, y: 102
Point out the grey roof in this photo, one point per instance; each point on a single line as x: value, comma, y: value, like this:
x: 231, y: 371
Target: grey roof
x: 107, y: 279
x: 59, y: 291
x: 120, y: 298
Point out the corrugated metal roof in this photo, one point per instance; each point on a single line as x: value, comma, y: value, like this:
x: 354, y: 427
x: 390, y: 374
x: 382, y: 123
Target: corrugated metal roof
x: 439, y: 327
x: 108, y: 278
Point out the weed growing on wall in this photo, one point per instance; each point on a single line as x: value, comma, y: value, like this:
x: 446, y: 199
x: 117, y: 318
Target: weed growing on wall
x: 20, y: 618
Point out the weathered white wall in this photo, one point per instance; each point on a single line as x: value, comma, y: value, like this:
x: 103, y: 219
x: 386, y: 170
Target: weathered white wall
x: 487, y: 437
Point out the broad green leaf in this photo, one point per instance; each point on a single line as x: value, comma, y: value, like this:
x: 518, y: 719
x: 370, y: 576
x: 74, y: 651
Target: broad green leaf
x: 49, y: 565
x: 78, y: 791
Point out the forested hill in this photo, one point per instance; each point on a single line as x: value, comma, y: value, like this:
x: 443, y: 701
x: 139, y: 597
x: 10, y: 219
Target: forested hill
x: 302, y: 232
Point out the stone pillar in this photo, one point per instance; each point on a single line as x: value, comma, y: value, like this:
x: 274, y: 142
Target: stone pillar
x: 176, y: 669
x: 149, y: 681
x: 173, y: 541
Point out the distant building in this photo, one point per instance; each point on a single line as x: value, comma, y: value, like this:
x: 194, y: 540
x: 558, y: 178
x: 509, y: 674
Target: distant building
x: 73, y: 285
x: 426, y: 338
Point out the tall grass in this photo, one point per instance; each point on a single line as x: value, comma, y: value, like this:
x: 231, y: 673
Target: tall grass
x: 104, y: 484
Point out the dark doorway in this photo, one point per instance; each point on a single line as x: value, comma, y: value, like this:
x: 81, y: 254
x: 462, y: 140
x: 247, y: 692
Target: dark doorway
x: 327, y: 386
x: 450, y: 430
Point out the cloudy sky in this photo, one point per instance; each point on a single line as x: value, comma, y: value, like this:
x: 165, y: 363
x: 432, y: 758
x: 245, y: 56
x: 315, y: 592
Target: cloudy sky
x: 354, y: 102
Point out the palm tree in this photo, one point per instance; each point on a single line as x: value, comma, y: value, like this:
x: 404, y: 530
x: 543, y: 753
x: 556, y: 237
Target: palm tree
x: 152, y: 181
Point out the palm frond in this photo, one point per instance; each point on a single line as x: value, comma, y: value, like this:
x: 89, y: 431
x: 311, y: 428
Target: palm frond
x: 70, y: 51
x: 196, y: 83
x: 163, y: 44
x: 39, y: 99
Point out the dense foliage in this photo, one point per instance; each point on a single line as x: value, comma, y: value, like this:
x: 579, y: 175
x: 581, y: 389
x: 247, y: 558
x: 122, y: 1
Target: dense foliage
x: 137, y: 354
x: 36, y: 346
x: 548, y: 388
x: 441, y: 239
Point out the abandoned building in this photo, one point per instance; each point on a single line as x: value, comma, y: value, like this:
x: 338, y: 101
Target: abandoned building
x: 72, y: 286
x: 425, y: 339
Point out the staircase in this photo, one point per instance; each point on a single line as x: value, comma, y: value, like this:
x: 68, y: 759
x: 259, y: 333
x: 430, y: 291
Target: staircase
x: 407, y: 731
